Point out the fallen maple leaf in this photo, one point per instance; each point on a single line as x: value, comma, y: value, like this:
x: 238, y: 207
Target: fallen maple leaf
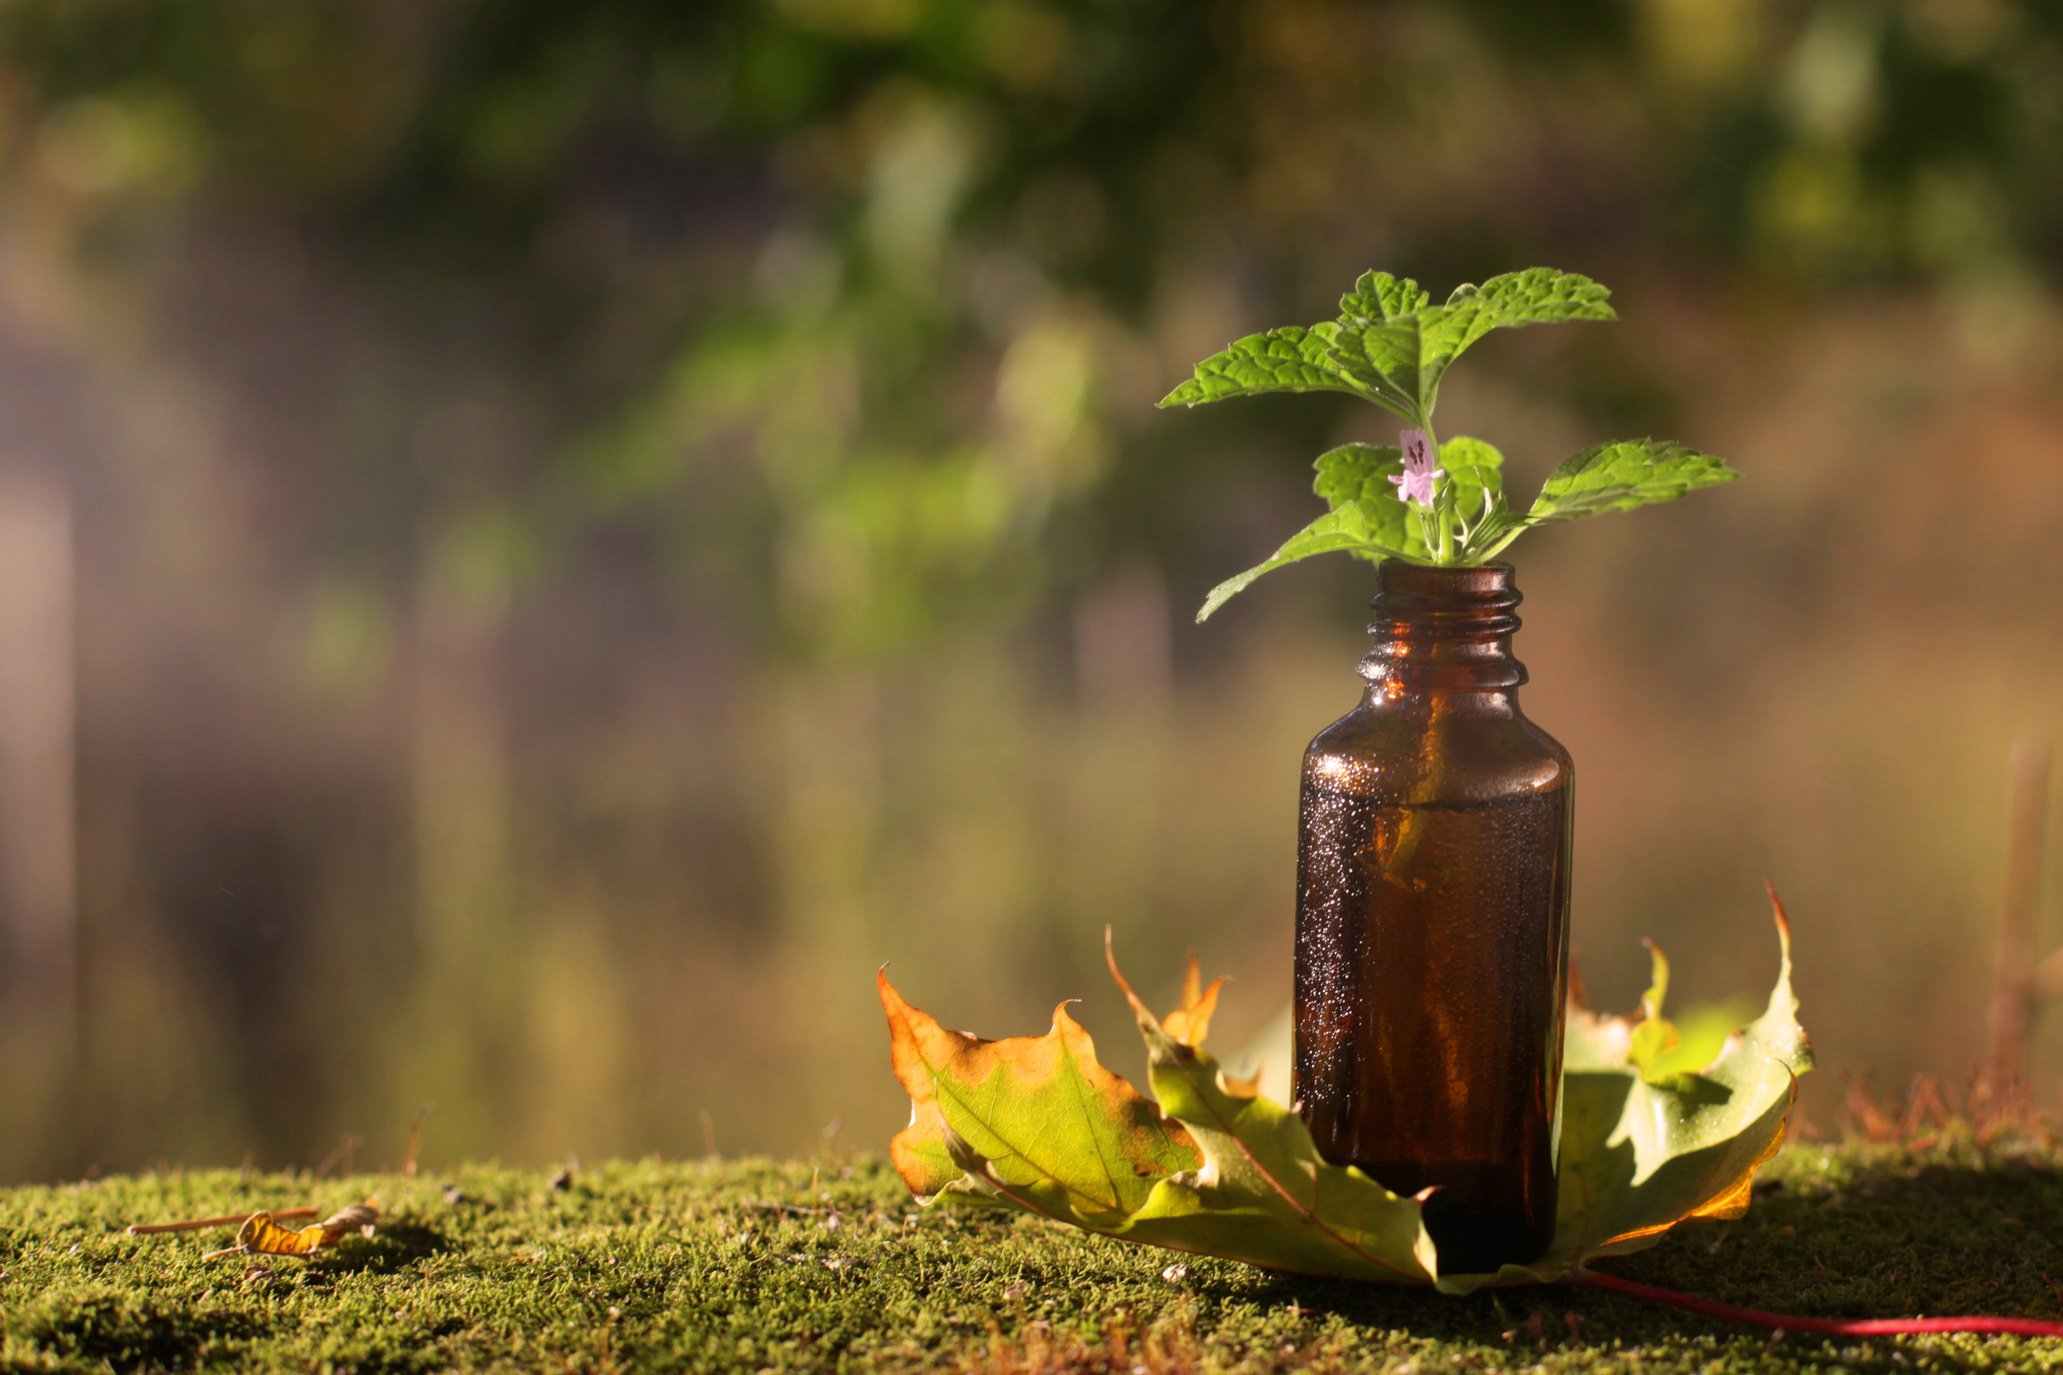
x: 1037, y: 1123
x: 1056, y: 1132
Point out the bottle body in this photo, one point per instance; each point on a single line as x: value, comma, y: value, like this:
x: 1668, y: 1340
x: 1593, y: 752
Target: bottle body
x: 1432, y: 922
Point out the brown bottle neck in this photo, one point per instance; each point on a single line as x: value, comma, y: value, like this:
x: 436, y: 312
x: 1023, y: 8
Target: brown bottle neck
x: 1442, y: 629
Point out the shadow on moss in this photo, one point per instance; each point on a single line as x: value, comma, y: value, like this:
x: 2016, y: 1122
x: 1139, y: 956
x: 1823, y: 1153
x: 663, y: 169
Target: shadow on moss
x: 1940, y: 1237
x: 1936, y: 1238
x: 99, y: 1325
x: 397, y: 1245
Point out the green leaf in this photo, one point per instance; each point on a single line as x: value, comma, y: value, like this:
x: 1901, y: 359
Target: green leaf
x: 1473, y: 493
x: 1623, y: 475
x: 1393, y: 347
x: 1233, y: 1174
x: 1403, y: 356
x: 1360, y: 474
x: 1474, y: 484
x: 1367, y: 519
x: 1378, y: 297
x: 1357, y: 472
x: 1385, y: 362
x: 1390, y: 346
x: 1357, y: 477
x: 1289, y: 359
x: 1533, y: 296
x: 1473, y: 465
x: 1361, y: 527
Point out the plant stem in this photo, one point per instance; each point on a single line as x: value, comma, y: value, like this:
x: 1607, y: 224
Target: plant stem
x: 144, y: 1229
x: 1444, y: 554
x: 1833, y: 1327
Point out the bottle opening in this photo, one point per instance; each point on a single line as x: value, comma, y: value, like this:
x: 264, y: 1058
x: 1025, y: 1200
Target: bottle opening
x: 1444, y: 627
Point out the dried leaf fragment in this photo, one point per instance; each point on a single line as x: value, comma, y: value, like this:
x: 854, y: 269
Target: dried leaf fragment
x: 195, y: 1224
x: 362, y: 1218
x: 261, y: 1234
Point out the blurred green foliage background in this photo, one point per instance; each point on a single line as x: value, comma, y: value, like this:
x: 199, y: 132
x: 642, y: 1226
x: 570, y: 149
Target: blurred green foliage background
x: 570, y: 534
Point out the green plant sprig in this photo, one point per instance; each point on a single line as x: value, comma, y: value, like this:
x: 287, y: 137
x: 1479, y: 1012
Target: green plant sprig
x: 1439, y: 503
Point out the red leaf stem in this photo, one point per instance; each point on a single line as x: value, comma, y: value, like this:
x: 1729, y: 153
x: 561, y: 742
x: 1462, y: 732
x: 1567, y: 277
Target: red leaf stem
x: 1836, y: 1327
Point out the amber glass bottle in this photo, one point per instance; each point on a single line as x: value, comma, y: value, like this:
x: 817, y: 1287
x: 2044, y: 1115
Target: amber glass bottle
x: 1432, y: 921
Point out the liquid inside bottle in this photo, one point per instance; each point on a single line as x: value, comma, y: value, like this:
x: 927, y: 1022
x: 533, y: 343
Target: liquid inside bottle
x: 1432, y: 910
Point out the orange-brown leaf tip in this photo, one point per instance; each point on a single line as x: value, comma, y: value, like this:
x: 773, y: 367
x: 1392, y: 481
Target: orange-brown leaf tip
x: 1783, y: 920
x: 914, y: 1038
x: 904, y: 1035
x: 1425, y: 1252
x: 1579, y: 995
x: 1190, y: 1023
x: 1139, y: 1010
x: 1241, y: 1085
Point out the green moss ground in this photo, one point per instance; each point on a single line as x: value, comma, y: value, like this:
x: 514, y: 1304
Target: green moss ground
x: 754, y: 1265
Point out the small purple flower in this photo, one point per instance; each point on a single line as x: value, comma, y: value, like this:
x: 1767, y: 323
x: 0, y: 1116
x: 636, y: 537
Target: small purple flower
x: 1415, y: 483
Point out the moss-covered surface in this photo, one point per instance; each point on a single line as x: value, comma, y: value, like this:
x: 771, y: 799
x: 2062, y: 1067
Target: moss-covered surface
x: 754, y: 1265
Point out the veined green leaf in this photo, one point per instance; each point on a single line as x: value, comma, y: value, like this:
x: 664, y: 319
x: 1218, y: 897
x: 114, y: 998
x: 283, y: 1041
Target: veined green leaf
x: 1368, y: 520
x: 1473, y: 465
x: 1473, y: 489
x: 1377, y: 297
x: 1623, y: 475
x: 1392, y: 346
x: 1512, y: 300
x: 1355, y: 473
x: 1289, y: 359
x: 1533, y: 296
x: 1361, y: 527
x: 1384, y: 360
x: 1366, y: 516
x: 1406, y: 354
x: 1357, y: 476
